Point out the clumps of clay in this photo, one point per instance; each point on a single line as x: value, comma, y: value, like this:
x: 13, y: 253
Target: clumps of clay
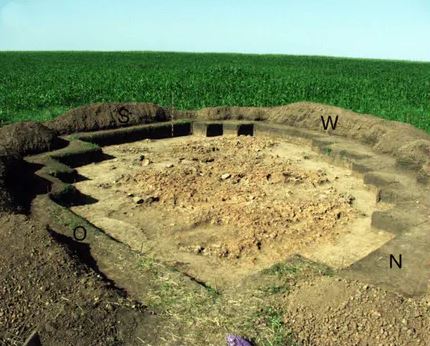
x: 237, y: 183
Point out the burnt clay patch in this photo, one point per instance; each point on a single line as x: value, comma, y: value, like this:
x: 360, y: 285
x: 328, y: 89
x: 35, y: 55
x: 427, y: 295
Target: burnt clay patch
x: 54, y: 171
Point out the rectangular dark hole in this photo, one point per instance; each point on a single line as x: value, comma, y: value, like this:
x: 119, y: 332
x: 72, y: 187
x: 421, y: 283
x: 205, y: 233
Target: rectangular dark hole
x: 213, y: 130
x: 245, y: 130
x: 183, y: 129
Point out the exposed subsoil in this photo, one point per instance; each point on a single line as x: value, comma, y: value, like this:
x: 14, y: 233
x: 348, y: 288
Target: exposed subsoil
x: 186, y: 200
x: 264, y: 200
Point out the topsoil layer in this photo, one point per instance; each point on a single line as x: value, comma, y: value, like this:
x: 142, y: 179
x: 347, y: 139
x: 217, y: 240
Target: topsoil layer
x: 45, y: 287
x: 107, y: 116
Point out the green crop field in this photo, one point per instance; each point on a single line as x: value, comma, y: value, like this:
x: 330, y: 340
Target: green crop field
x: 40, y: 86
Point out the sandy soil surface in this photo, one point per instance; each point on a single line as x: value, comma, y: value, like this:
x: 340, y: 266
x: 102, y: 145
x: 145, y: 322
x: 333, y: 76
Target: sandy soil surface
x: 220, y: 209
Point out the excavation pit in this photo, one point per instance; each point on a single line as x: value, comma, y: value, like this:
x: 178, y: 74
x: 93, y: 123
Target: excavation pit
x: 202, y: 232
x: 245, y: 130
x: 222, y: 208
x: 214, y: 130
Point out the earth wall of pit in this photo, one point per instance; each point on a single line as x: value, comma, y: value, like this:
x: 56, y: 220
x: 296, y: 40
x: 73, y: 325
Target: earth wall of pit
x: 408, y: 145
x: 394, y: 148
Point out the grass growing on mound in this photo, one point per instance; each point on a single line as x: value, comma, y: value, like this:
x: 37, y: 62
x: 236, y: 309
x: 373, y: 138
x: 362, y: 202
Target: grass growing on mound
x: 42, y: 85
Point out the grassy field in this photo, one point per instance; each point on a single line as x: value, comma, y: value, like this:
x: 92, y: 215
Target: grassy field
x: 40, y: 86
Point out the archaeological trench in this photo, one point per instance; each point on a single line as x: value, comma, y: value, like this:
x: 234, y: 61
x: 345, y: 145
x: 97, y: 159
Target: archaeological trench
x: 209, y: 200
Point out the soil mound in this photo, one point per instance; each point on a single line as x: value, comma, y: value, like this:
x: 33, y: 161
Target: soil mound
x: 106, y: 116
x: 16, y: 141
x: 28, y: 138
x: 384, y: 136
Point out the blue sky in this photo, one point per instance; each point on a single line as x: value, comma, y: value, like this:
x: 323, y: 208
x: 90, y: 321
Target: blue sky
x: 393, y: 29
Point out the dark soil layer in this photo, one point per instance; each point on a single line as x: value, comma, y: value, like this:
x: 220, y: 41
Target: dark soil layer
x: 44, y: 287
x: 136, y: 133
x: 16, y: 177
x: 7, y: 165
x: 107, y: 116
x: 29, y: 138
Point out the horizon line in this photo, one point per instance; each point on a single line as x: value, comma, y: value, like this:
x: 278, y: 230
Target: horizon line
x: 213, y: 52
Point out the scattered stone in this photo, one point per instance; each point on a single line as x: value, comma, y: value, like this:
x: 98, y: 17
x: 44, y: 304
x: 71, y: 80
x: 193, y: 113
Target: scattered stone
x: 138, y: 200
x: 109, y: 307
x: 146, y: 162
x: 225, y: 176
x: 186, y: 162
x: 104, y: 185
x: 151, y: 199
x: 198, y: 249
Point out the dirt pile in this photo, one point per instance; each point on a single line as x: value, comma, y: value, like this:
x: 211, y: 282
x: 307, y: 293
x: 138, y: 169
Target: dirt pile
x: 107, y: 116
x: 16, y: 141
x: 326, y: 311
x: 261, y: 200
x: 28, y: 138
x: 384, y: 136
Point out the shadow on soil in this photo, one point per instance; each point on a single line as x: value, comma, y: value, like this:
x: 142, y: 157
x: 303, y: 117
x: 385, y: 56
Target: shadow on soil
x: 25, y: 185
x: 82, y: 253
